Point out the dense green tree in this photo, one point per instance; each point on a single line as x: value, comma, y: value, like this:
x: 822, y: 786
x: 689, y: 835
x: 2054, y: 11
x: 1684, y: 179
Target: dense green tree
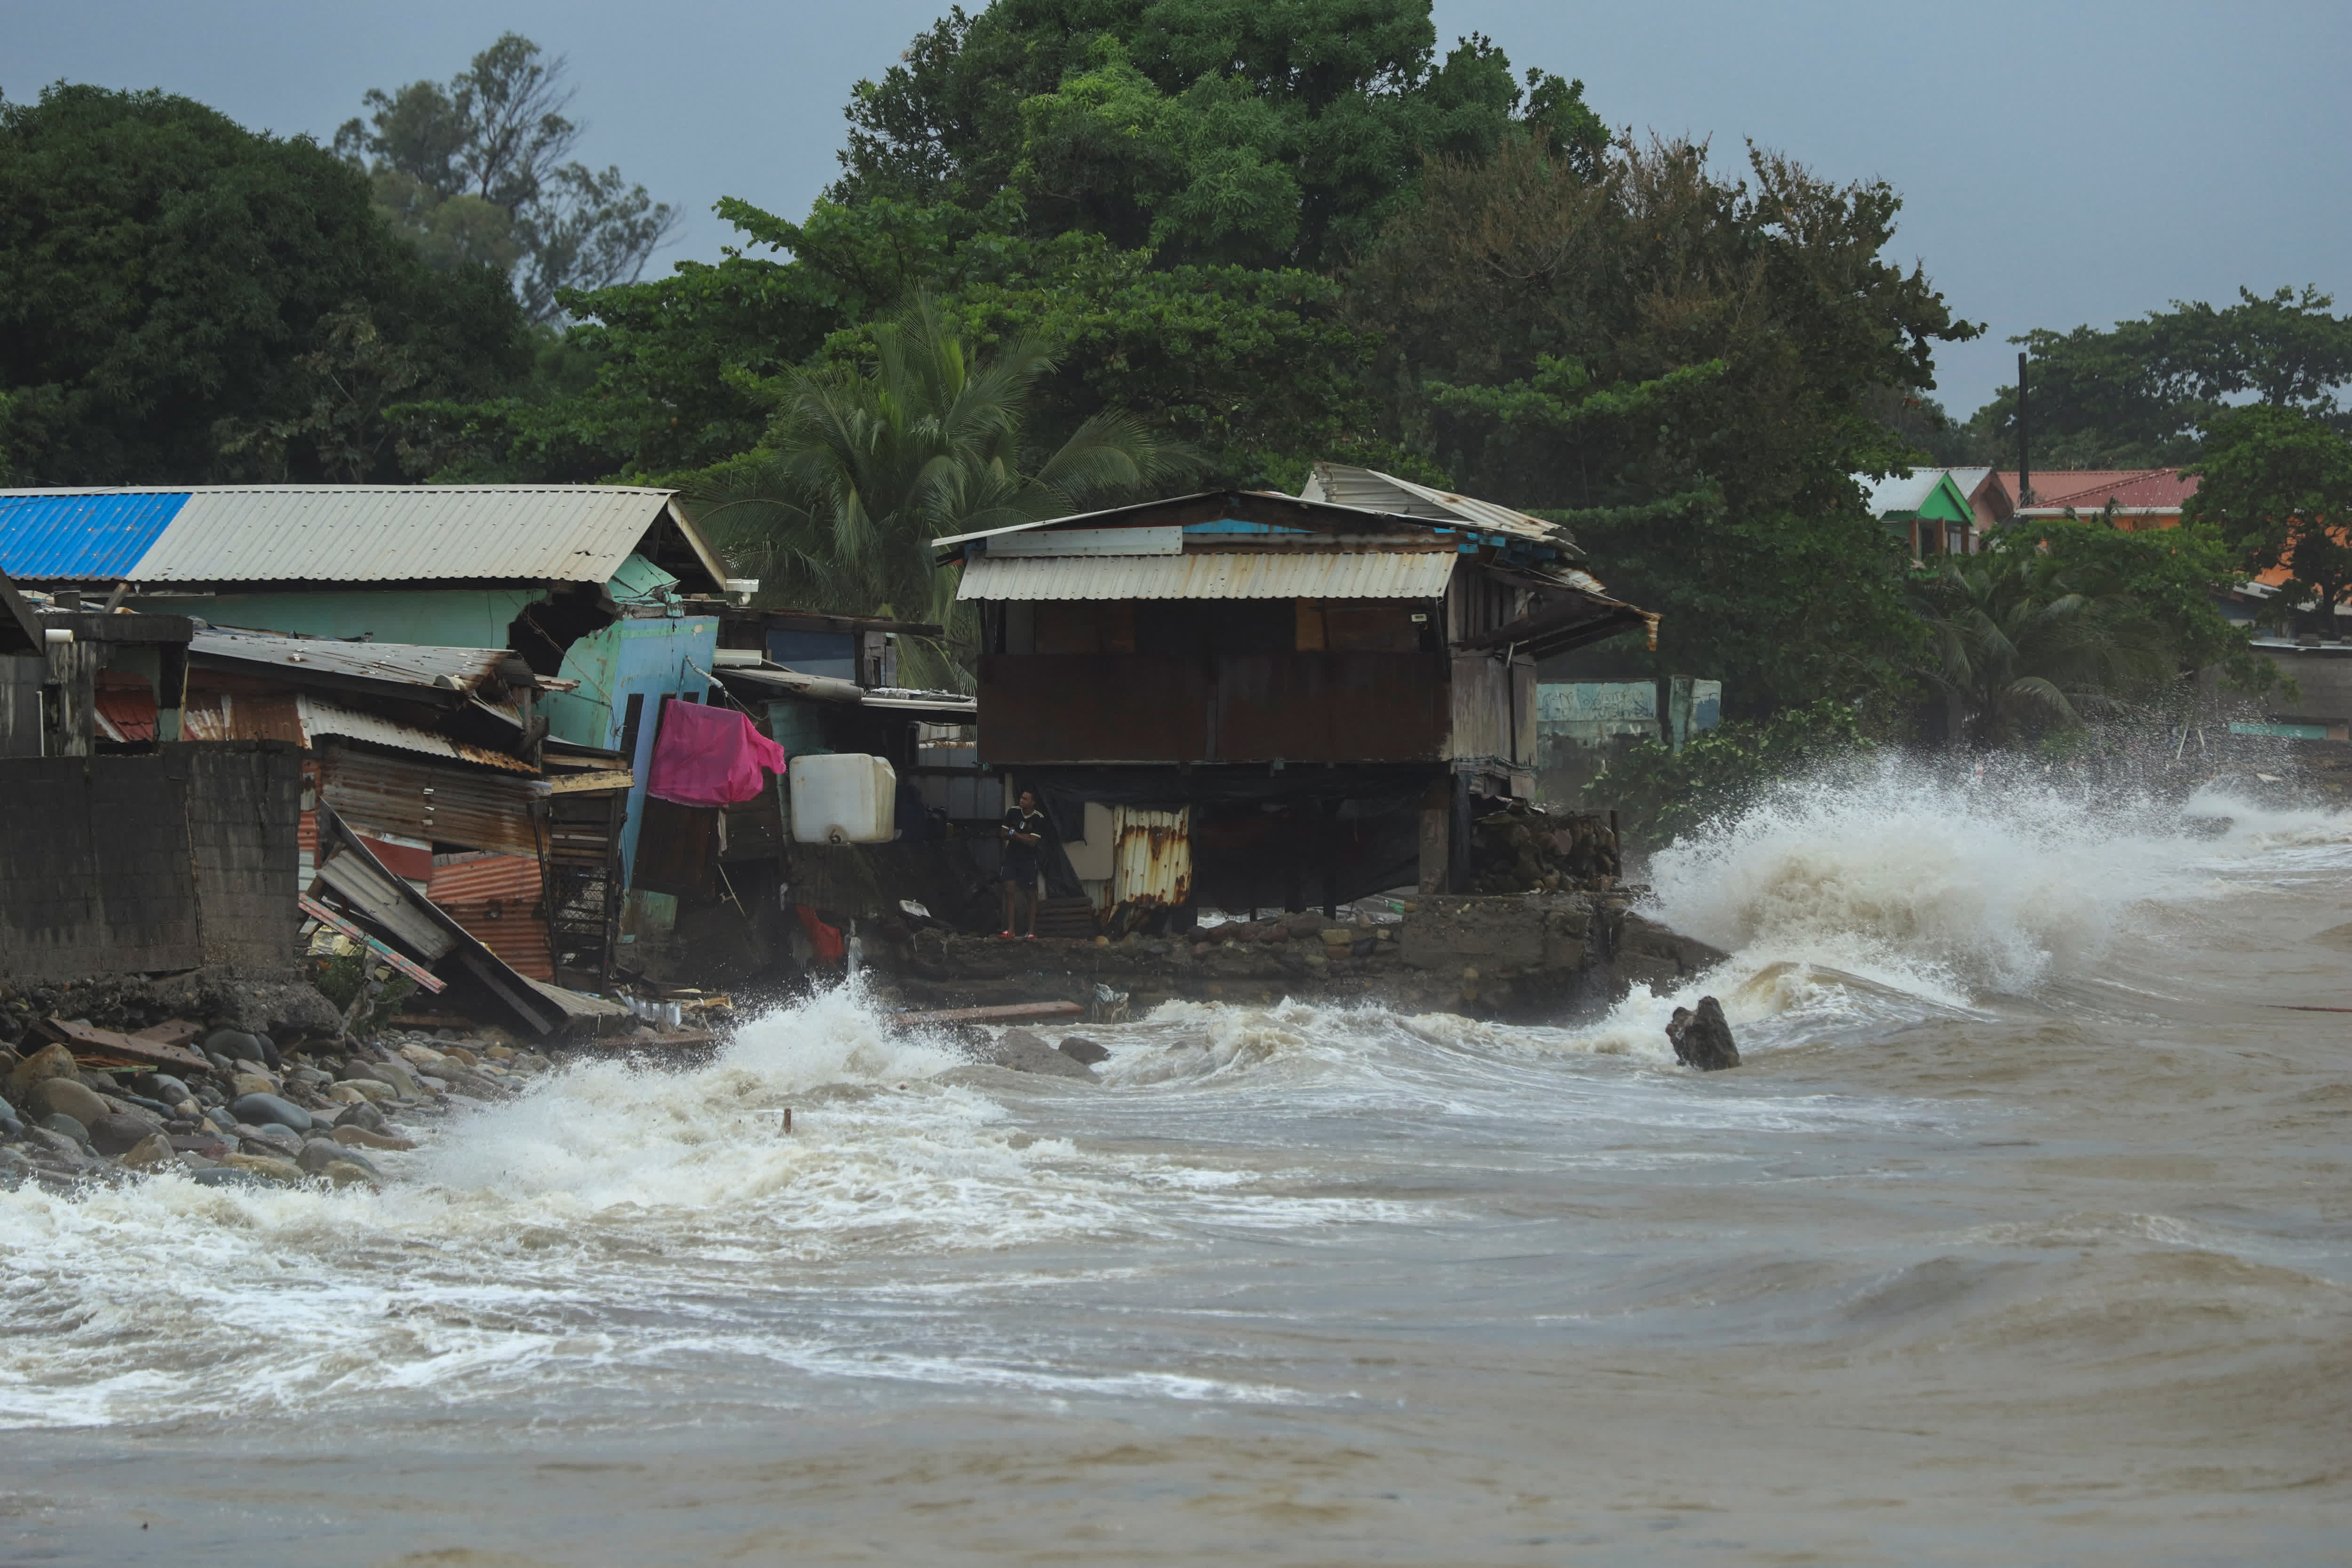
x: 2139, y: 394
x: 1269, y: 134
x: 2276, y: 483
x: 166, y: 278
x: 1677, y: 365
x: 479, y: 172
x: 865, y: 465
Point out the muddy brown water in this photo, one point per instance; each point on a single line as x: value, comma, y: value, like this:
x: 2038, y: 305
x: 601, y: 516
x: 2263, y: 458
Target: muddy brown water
x: 2021, y: 1238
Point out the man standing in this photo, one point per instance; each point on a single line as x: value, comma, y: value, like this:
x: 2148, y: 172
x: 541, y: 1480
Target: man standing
x: 1023, y: 830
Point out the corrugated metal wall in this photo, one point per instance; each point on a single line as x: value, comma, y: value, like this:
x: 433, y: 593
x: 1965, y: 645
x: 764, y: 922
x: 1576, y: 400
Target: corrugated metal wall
x: 440, y: 802
x: 499, y: 899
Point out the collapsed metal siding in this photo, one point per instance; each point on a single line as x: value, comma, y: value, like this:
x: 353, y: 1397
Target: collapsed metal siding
x: 1213, y: 574
x: 1373, y: 491
x: 440, y: 803
x: 397, y: 664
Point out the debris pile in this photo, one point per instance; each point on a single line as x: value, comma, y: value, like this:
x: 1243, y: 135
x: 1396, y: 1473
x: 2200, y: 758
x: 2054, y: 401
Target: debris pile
x: 1522, y: 848
x: 228, y: 1106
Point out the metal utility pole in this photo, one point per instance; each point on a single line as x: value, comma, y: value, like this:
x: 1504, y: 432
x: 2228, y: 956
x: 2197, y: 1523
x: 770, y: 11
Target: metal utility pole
x: 2024, y: 456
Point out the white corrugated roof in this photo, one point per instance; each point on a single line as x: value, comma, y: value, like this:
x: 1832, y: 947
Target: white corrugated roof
x: 1902, y: 493
x: 379, y: 533
x: 1213, y: 574
x: 1374, y: 491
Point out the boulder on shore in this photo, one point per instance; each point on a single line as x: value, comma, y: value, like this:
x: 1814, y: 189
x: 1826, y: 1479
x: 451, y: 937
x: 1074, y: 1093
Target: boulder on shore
x: 1702, y: 1039
x: 1024, y: 1050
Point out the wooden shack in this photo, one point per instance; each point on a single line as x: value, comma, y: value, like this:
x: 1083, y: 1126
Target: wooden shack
x: 1320, y: 686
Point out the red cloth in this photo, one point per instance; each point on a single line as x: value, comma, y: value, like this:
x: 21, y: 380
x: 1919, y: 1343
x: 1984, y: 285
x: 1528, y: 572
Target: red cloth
x: 824, y: 939
x: 710, y: 756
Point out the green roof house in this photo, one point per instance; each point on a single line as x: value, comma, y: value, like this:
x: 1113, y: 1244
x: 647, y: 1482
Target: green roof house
x: 1928, y: 507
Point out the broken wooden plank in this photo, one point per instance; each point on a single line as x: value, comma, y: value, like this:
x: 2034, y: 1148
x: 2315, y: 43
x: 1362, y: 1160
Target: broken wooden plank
x: 1009, y: 1013
x: 170, y: 1032
x: 80, y: 1037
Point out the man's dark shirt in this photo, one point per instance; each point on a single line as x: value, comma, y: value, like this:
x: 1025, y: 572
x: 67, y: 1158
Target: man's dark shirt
x: 1021, y: 860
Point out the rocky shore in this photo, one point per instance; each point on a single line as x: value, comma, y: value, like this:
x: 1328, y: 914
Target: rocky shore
x: 316, y: 1112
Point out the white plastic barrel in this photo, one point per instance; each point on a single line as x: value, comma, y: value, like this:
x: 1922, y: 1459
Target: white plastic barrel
x: 846, y: 798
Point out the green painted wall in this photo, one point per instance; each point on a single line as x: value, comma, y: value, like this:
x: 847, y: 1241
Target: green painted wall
x: 446, y: 618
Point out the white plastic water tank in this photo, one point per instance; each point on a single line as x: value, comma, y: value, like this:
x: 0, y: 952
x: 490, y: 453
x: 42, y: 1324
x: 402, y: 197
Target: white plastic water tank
x: 846, y: 798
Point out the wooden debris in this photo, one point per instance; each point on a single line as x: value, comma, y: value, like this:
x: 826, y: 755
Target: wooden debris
x: 82, y: 1039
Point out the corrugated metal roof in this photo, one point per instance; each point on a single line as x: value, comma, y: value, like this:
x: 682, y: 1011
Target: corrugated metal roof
x: 1213, y: 574
x: 74, y: 535
x: 334, y: 534
x: 324, y: 719
x: 356, y: 533
x: 1370, y: 491
x: 497, y: 899
x: 431, y: 802
x: 397, y: 664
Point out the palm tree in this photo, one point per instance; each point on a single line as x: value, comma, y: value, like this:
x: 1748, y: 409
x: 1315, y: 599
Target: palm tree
x: 864, y: 467
x: 2024, y: 645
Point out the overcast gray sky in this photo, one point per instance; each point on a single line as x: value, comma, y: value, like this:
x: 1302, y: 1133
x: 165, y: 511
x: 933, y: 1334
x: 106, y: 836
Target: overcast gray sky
x: 2060, y: 164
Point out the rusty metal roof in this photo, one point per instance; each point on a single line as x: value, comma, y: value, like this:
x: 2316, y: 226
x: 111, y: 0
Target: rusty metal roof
x: 342, y: 533
x: 324, y: 719
x: 1213, y: 574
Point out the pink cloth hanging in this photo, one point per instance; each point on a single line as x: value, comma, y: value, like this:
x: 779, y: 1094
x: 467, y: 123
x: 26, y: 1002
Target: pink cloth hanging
x: 710, y: 756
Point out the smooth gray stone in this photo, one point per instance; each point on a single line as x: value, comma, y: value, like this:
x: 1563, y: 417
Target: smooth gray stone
x: 1023, y: 1050
x: 65, y: 1126
x: 364, y: 1114
x: 44, y: 1136
x: 169, y: 1090
x: 1079, y: 1049
x: 268, y: 1138
x: 236, y: 1045
x: 261, y: 1108
x: 115, y: 1133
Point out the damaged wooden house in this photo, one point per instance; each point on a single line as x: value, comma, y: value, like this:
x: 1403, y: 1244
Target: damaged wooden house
x: 1248, y: 699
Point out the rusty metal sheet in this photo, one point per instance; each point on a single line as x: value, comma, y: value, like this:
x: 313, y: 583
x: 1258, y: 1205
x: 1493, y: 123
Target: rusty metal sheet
x: 501, y: 903
x: 1151, y: 858
x: 440, y: 802
x: 82, y: 1040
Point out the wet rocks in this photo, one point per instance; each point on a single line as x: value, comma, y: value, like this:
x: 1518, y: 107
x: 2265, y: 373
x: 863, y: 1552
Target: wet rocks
x: 268, y: 1167
x: 1702, y: 1039
x: 1083, y: 1051
x: 66, y: 1097
x: 362, y: 1138
x: 1023, y: 1050
x: 153, y: 1152
x: 57, y: 1124
x: 264, y: 1108
x: 117, y: 1134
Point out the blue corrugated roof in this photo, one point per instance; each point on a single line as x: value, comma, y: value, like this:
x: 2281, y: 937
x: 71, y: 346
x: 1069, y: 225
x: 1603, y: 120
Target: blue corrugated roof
x: 80, y: 534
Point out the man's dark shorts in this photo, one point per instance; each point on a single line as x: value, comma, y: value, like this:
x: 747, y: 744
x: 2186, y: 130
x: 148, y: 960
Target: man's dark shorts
x: 1020, y: 874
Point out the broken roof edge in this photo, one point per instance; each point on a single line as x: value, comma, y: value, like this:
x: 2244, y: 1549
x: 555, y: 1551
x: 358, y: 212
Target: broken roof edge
x: 1239, y: 503
x: 1325, y: 477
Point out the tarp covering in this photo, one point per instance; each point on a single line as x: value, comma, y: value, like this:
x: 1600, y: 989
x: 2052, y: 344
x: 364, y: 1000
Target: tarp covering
x: 710, y: 756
